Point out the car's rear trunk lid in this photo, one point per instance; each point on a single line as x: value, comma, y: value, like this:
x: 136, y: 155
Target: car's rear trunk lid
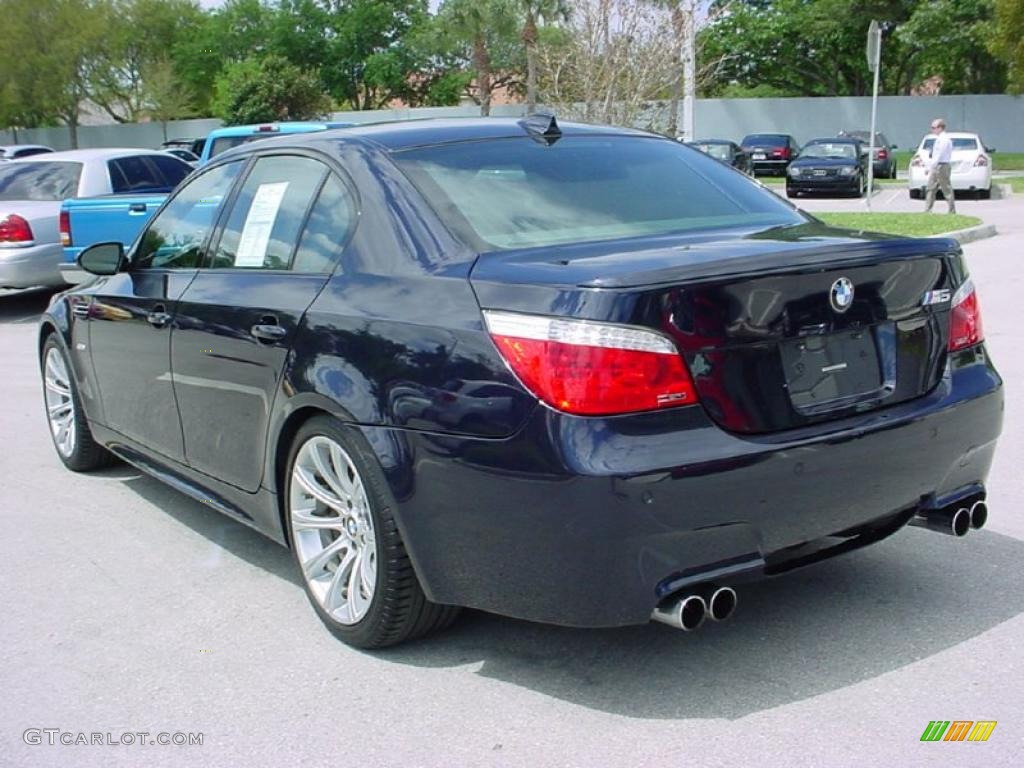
x: 760, y: 319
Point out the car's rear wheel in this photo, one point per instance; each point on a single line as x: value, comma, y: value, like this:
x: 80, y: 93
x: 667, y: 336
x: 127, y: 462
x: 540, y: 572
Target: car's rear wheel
x: 69, y: 428
x: 350, y: 555
x: 915, y: 194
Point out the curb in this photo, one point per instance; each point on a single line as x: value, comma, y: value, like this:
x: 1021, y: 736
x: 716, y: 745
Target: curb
x: 971, y: 234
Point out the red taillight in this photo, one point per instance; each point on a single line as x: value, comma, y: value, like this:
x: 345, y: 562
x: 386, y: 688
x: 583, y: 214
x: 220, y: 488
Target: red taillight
x: 981, y: 162
x: 783, y: 153
x: 591, y: 368
x: 65, y: 228
x: 917, y: 162
x: 965, y: 329
x: 882, y: 155
x: 14, y: 229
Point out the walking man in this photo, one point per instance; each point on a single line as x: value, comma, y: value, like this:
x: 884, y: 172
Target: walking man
x: 939, y: 169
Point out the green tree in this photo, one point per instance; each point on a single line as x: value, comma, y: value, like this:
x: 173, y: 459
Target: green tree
x: 137, y: 34
x: 1007, y: 41
x: 165, y: 97
x: 488, y: 30
x: 266, y: 89
x: 534, y: 13
x: 948, y: 39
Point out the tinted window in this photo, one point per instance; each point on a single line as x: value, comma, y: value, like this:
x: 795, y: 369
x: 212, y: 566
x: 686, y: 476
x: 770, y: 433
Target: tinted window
x: 32, y: 151
x: 766, y: 139
x: 326, y: 230
x: 172, y: 169
x: 268, y: 213
x: 224, y: 143
x: 134, y: 174
x: 830, y: 150
x: 522, y: 193
x: 957, y: 144
x: 175, y: 236
x: 39, y: 180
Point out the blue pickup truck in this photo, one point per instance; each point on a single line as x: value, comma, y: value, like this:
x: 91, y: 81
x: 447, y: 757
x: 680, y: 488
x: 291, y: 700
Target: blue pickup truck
x: 119, y: 218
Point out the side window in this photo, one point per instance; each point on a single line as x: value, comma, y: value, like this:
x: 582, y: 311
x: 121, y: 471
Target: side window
x: 263, y: 225
x: 134, y: 174
x: 172, y: 169
x: 326, y: 230
x: 174, y: 238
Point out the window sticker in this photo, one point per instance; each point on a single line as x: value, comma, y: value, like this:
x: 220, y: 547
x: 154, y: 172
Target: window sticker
x: 252, y: 247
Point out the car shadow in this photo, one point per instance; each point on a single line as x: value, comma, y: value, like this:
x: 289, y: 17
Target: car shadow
x: 793, y: 637
x: 24, y: 306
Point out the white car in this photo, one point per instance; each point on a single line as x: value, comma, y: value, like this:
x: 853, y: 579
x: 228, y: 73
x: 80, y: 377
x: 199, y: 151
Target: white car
x: 971, y: 166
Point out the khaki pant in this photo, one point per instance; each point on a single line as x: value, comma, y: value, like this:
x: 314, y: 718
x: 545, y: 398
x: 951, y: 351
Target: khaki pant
x: 939, y: 179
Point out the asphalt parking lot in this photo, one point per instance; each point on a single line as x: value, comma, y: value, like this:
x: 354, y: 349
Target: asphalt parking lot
x: 129, y: 607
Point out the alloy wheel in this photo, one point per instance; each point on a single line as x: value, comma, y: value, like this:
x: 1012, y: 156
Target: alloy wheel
x: 332, y: 529
x: 60, y: 405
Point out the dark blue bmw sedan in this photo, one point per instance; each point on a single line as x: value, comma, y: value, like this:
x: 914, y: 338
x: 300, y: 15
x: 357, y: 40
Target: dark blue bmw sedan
x: 572, y: 374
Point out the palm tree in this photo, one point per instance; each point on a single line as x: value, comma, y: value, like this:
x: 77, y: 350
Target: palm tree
x: 477, y: 22
x: 534, y: 11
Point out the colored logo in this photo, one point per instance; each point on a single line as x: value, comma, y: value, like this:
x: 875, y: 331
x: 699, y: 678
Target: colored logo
x: 958, y: 730
x: 841, y: 295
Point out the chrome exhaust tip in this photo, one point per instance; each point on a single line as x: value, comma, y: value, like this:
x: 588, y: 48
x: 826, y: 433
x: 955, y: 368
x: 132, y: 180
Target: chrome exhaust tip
x: 685, y: 613
x: 722, y: 603
x: 979, y: 515
x: 953, y: 521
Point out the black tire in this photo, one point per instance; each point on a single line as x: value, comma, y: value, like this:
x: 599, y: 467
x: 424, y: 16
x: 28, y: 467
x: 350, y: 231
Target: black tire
x: 790, y: 192
x: 398, y: 611
x: 85, y: 454
x: 915, y: 194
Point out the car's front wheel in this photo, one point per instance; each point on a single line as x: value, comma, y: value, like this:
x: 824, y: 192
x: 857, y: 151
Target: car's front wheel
x: 350, y: 555
x: 69, y: 428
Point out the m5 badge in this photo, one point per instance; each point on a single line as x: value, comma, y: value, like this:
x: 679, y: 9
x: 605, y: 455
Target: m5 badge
x: 943, y: 296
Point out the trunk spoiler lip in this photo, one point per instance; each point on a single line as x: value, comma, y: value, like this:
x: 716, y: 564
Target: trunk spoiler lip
x: 718, y: 256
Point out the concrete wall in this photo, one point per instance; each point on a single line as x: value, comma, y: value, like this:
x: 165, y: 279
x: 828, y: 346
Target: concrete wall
x: 904, y: 119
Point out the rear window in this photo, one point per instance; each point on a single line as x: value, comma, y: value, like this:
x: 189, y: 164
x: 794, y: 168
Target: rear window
x: 224, y: 143
x: 39, y: 180
x: 521, y: 193
x: 766, y: 139
x: 957, y: 144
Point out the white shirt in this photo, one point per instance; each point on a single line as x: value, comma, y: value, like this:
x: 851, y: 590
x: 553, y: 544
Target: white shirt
x: 942, y: 149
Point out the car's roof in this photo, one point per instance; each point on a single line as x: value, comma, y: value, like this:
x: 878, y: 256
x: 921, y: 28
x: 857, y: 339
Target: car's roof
x: 85, y: 155
x: 17, y: 147
x: 404, y: 134
x: 836, y: 140
x: 710, y: 141
x: 271, y: 129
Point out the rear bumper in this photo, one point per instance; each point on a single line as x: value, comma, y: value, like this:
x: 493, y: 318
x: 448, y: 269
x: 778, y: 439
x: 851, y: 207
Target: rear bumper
x: 27, y: 267
x: 772, y: 166
x: 589, y: 521
x: 976, y: 178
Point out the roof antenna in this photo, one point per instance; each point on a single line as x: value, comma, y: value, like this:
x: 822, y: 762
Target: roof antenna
x: 542, y: 127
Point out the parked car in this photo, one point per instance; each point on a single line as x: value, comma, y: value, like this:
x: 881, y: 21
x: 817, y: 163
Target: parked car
x: 829, y: 166
x: 183, y: 154
x: 139, y: 188
x: 884, y: 153
x: 195, y: 146
x: 970, y: 171
x: 729, y: 152
x: 662, y: 379
x: 771, y: 153
x: 14, y: 151
x: 222, y: 139
x: 31, y: 191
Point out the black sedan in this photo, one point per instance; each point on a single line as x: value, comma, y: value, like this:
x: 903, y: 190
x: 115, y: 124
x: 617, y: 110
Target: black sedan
x: 572, y: 374
x: 771, y: 153
x: 729, y: 152
x: 829, y: 166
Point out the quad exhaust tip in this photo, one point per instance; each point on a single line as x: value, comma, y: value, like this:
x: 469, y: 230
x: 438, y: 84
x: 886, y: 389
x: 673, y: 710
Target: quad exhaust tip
x: 687, y: 611
x: 979, y: 515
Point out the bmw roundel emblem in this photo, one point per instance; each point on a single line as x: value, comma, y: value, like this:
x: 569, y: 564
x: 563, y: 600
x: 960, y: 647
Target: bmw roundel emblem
x: 841, y: 295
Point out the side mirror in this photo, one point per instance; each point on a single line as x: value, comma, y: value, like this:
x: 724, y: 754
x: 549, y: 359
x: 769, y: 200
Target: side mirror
x: 894, y: 146
x: 102, y: 258
x: 990, y: 150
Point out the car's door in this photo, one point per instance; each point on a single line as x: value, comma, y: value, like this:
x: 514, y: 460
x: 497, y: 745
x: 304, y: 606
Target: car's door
x: 132, y: 312
x: 236, y: 321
